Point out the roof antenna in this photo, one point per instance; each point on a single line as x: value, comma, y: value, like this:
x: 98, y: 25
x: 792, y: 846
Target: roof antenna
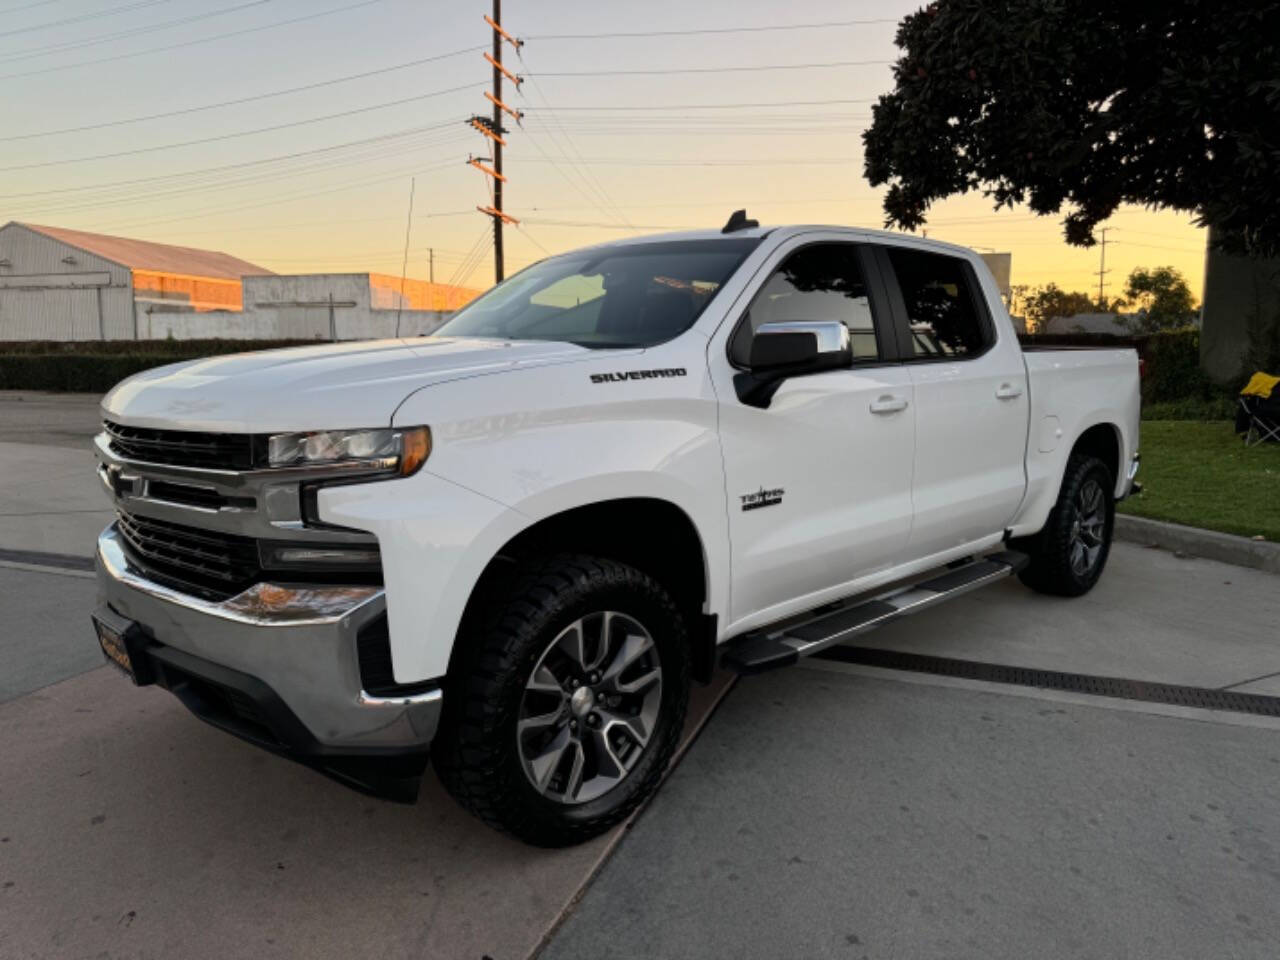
x: 738, y: 221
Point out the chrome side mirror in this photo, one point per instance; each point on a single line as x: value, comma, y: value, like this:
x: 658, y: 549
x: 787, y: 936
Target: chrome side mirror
x: 791, y: 348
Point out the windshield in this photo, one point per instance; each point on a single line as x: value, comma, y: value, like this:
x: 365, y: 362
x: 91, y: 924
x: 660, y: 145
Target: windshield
x: 630, y: 295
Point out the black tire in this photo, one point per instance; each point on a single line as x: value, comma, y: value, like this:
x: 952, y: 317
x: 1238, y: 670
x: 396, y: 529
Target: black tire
x: 476, y: 751
x: 1055, y: 551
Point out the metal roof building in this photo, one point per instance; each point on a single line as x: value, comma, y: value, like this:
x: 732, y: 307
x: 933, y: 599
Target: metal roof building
x: 59, y: 284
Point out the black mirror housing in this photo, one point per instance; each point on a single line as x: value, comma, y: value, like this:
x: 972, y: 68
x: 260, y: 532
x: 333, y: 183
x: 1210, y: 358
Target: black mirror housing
x: 791, y: 349
x: 784, y: 349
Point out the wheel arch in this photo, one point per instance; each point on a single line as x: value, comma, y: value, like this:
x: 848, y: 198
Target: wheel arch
x: 1102, y: 437
x: 1104, y: 441
x: 651, y: 534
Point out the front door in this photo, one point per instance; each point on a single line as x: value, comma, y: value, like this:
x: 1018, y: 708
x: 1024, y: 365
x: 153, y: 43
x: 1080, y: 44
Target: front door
x: 819, y: 482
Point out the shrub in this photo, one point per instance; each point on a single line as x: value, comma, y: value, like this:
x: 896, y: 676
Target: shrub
x: 95, y: 366
x: 178, y: 349
x: 74, y: 372
x: 1221, y: 406
x: 1173, y: 368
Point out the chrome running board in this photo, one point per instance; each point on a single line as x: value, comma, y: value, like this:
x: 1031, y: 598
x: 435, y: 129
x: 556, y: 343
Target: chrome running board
x: 771, y: 648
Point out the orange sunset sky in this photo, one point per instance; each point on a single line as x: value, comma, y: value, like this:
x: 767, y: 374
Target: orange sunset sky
x: 286, y: 132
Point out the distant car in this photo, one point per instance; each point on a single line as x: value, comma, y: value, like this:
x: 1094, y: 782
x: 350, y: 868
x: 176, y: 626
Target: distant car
x: 517, y: 542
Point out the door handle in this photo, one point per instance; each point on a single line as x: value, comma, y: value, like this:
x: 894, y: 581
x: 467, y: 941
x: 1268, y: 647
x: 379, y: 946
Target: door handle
x: 1008, y: 391
x: 888, y: 404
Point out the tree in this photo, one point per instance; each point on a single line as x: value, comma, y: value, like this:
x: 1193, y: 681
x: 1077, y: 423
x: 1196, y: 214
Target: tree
x: 1040, y: 304
x: 1162, y: 297
x: 1085, y: 106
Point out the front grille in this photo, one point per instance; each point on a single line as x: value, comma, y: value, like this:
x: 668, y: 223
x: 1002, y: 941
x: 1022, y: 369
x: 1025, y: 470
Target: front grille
x: 205, y: 497
x: 182, y: 448
x: 214, y: 564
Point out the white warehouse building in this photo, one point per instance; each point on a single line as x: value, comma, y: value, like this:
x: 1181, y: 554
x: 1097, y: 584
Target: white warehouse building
x: 59, y: 284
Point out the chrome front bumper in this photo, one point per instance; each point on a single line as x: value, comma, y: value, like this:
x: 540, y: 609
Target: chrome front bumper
x: 300, y: 642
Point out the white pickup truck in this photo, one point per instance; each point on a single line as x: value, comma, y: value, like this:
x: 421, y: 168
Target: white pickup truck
x: 518, y: 541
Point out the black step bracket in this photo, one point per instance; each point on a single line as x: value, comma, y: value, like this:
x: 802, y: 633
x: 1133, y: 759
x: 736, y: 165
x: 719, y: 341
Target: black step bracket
x: 768, y: 649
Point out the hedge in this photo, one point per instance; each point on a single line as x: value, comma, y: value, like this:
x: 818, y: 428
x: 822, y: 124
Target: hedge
x: 73, y: 372
x: 177, y: 349
x: 95, y: 366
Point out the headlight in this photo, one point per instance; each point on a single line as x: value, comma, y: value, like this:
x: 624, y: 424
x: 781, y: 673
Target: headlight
x: 398, y: 450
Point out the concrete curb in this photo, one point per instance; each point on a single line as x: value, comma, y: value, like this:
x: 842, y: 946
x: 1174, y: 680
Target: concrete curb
x: 1224, y: 547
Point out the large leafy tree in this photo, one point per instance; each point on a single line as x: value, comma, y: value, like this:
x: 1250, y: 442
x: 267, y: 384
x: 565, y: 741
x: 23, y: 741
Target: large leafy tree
x: 1078, y: 106
x: 1163, y: 299
x: 1041, y: 304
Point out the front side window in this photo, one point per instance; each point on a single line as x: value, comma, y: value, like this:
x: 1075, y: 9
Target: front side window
x: 822, y: 281
x: 941, y: 309
x: 626, y: 295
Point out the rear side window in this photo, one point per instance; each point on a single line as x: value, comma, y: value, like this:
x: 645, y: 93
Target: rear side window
x: 941, y: 306
x: 822, y: 281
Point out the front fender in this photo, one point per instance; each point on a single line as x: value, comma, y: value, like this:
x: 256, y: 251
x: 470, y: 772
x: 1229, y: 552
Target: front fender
x: 436, y: 538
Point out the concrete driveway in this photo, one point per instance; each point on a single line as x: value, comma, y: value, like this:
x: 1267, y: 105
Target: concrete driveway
x: 828, y: 810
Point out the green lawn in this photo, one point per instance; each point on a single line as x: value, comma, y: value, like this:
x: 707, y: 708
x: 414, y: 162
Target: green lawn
x: 1200, y: 474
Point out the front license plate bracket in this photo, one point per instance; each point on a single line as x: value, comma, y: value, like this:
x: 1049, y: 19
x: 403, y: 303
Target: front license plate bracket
x: 123, y: 644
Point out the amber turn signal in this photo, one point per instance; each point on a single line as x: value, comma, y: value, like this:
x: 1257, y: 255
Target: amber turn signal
x: 414, y: 450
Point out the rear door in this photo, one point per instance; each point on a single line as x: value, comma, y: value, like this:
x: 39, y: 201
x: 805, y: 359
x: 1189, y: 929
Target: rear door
x: 970, y: 390
x: 819, y: 483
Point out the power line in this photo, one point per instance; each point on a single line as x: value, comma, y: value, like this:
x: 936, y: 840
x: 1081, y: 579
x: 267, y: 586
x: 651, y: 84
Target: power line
x: 83, y: 17
x: 712, y: 30
x: 532, y: 239
x: 607, y: 225
x: 250, y: 99
x: 275, y: 200
x: 191, y: 43
x: 706, y: 106
x: 235, y: 166
x: 132, y: 32
x: 255, y: 177
x: 470, y: 256
x: 741, y: 69
x: 709, y: 163
x: 242, y: 133
x: 1156, y: 246
x: 484, y: 249
x: 610, y: 207
x: 27, y: 6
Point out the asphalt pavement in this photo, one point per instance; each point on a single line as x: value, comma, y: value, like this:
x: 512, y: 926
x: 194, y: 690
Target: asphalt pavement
x: 825, y: 810
x: 51, y: 500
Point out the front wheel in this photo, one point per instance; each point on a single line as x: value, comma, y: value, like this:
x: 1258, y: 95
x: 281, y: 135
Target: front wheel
x: 1069, y: 554
x: 562, y: 715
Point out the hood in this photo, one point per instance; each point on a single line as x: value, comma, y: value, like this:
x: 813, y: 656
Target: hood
x: 328, y: 386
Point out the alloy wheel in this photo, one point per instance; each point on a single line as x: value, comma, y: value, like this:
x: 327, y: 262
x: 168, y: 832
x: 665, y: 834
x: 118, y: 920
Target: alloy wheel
x: 589, y: 707
x: 1088, y: 529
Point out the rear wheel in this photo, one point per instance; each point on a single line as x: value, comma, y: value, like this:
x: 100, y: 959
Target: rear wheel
x: 562, y: 715
x: 1069, y: 554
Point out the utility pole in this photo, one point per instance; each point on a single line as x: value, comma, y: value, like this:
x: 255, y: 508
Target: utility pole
x: 498, y: 271
x: 1103, y: 271
x: 493, y: 129
x: 431, y: 263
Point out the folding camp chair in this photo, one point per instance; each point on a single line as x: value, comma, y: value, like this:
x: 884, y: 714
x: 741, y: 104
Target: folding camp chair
x: 1259, y: 416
